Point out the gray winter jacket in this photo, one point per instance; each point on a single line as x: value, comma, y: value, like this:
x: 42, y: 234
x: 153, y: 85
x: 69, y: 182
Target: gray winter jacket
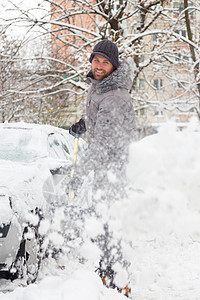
x: 110, y: 120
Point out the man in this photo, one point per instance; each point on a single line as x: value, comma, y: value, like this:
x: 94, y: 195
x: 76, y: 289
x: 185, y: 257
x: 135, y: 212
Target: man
x: 110, y: 126
x: 109, y: 120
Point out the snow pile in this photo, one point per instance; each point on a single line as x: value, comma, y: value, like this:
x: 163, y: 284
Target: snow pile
x: 161, y: 216
x: 164, y: 171
x: 165, y: 167
x: 158, y: 222
x: 79, y: 284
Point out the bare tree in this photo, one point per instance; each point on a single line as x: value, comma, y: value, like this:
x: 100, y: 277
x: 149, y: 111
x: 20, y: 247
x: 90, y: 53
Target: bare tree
x: 9, y: 76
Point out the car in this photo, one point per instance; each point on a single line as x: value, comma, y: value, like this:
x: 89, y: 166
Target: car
x: 35, y: 160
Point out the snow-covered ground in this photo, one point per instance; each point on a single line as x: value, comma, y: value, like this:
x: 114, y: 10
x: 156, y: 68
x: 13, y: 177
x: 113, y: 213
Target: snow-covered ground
x: 158, y: 222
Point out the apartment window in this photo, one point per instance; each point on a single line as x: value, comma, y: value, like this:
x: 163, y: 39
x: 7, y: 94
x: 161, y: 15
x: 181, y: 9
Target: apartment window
x: 158, y: 113
x: 178, y: 57
x: 181, y: 32
x: 158, y: 84
x: 115, y: 6
x: 155, y: 37
x: 141, y: 84
x: 182, y: 58
x: 185, y: 57
x: 140, y: 112
x: 178, y: 6
x: 181, y: 84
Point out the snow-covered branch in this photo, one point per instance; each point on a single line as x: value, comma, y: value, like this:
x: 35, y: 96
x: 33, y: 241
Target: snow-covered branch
x: 56, y: 37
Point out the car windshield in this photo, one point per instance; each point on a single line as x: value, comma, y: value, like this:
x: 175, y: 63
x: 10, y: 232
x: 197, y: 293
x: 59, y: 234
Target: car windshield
x: 20, y: 144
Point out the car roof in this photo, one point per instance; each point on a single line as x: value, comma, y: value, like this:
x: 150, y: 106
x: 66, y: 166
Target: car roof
x: 23, y: 125
x: 45, y: 129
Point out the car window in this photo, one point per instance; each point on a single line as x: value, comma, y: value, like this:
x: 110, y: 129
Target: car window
x: 20, y: 145
x: 57, y: 146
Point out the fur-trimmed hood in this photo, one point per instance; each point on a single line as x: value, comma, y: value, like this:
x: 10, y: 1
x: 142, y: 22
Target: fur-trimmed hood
x: 119, y: 78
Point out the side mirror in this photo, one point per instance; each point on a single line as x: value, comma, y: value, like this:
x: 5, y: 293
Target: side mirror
x: 59, y: 167
x: 62, y: 170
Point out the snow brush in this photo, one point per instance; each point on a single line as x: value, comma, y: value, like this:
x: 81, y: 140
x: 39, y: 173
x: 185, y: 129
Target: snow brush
x: 71, y: 191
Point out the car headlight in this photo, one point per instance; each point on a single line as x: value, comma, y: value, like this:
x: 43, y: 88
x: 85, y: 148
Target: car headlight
x: 5, y: 212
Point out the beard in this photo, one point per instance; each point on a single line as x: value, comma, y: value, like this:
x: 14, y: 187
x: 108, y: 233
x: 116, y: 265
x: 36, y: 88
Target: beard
x: 99, y: 74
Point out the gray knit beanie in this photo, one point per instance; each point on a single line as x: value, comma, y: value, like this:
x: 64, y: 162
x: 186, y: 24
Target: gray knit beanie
x: 108, y: 50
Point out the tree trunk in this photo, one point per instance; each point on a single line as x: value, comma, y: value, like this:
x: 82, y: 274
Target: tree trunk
x: 192, y: 51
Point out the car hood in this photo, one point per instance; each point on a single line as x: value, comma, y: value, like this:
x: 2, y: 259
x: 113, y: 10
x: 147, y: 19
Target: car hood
x: 24, y: 184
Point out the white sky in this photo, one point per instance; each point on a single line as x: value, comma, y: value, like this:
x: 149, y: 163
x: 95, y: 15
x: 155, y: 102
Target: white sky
x: 9, y: 11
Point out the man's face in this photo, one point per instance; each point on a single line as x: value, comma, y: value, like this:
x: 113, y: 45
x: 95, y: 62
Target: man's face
x: 101, y: 67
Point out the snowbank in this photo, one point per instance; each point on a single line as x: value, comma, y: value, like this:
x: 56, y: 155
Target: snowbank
x: 80, y: 284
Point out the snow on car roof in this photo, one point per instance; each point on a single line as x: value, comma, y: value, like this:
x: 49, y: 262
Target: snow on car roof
x: 24, y: 125
x: 27, y: 141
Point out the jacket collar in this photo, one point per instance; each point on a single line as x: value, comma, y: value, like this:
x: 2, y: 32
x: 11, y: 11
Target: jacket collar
x: 118, y: 78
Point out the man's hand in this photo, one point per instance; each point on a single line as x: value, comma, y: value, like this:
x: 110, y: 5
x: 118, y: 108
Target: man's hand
x: 78, y: 128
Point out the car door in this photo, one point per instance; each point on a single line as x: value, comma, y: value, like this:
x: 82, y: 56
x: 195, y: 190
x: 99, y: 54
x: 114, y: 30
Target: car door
x: 60, y: 153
